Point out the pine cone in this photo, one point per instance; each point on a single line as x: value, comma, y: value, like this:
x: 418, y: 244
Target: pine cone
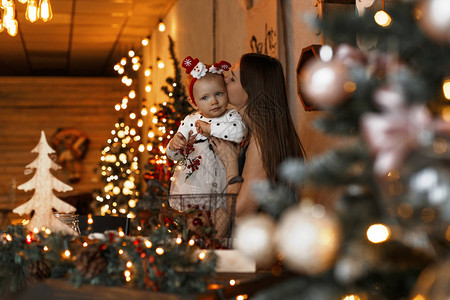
x: 39, y: 269
x: 90, y: 262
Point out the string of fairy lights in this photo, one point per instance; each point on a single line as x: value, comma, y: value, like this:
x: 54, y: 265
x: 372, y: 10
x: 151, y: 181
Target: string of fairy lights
x: 130, y: 67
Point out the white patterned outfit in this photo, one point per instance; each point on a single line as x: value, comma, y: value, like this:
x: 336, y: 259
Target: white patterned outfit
x: 211, y: 175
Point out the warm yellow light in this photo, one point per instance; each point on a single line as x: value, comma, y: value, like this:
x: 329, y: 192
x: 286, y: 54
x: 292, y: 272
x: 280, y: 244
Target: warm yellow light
x: 351, y: 297
x: 124, y: 100
x: 382, y: 18
x: 148, y: 244
x: 131, y: 53
x: 160, y: 63
x: 67, y: 253
x: 202, y: 255
x: 48, y: 231
x: 159, y: 251
x: 45, y: 10
x: 153, y: 110
x: 120, y: 251
x: 378, y: 233
x: 124, y: 106
x: 116, y: 67
x: 121, y: 70
x: 145, y: 41
x: 123, y: 61
x: 129, y: 264
x: 45, y: 248
x: 35, y: 230
x: 116, y: 190
x: 151, y: 134
x: 129, y: 82
x: 232, y: 282
x: 141, y: 148
x: 161, y: 26
x: 191, y: 242
x: 8, y: 238
x: 155, y: 120
x: 13, y: 28
x: 132, y: 94
x: 85, y: 244
x: 419, y: 297
x: 140, y: 123
x: 135, y: 60
x: 446, y: 89
x: 148, y: 87
x: 136, y: 66
x: 178, y: 240
x: 31, y: 13
x: 127, y: 273
x: 147, y: 72
x: 242, y: 297
x: 132, y: 116
x: 144, y: 111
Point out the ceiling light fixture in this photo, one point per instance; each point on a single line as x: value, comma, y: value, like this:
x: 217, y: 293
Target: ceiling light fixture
x: 33, y: 13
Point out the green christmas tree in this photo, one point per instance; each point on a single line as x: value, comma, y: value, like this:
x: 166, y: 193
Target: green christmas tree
x: 166, y: 121
x: 387, y: 235
x: 119, y: 171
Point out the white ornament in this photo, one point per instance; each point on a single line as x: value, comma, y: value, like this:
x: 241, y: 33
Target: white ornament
x: 254, y: 237
x: 308, y: 241
x: 436, y: 19
x: 44, y: 201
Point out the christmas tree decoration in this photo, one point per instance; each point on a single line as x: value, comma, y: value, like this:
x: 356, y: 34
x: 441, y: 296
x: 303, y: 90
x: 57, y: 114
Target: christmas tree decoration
x: 390, y: 182
x: 254, y: 237
x: 44, y: 201
x: 434, y: 16
x: 119, y: 169
x: 308, y: 238
x: 324, y: 82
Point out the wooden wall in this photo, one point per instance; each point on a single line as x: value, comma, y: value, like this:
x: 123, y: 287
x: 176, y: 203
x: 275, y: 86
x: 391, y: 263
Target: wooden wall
x: 31, y: 104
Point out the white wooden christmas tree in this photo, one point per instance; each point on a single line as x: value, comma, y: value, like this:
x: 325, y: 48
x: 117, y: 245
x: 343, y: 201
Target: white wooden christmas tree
x: 43, y: 200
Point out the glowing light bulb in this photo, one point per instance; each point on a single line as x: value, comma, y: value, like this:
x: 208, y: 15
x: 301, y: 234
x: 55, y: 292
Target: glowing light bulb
x: 131, y: 53
x: 145, y: 41
x: 160, y: 63
x: 136, y: 66
x: 141, y: 148
x: 446, y: 89
x: 123, y: 61
x: 116, y: 67
x: 132, y: 94
x: 132, y: 116
x: 382, y: 18
x: 45, y: 10
x: 161, y: 26
x: 159, y: 251
x: 148, y: 87
x: 140, y: 123
x: 144, y: 111
x: 67, y: 253
x: 147, y: 72
x: 378, y: 233
x: 135, y: 59
x: 13, y: 28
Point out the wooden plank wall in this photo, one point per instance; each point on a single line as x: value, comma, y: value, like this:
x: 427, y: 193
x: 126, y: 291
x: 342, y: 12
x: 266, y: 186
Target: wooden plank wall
x: 31, y: 104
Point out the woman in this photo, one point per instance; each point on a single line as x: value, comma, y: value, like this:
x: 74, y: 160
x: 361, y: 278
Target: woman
x: 256, y: 87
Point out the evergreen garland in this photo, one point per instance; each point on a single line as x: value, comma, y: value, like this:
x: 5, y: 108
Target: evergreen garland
x: 159, y: 262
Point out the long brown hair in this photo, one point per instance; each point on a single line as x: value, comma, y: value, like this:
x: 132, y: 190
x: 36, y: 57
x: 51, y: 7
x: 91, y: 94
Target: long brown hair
x: 267, y: 109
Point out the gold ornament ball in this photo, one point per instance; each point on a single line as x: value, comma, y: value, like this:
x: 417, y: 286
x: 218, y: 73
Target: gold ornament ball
x: 434, y: 19
x: 254, y: 237
x: 324, y: 83
x: 308, y: 239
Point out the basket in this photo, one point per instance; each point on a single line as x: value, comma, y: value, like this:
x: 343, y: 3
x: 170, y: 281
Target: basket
x: 208, y: 218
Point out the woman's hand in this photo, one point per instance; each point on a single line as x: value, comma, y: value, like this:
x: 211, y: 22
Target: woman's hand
x: 226, y: 150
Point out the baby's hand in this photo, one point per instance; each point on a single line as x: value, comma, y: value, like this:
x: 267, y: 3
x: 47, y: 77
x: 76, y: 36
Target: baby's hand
x: 203, y: 128
x: 178, y: 142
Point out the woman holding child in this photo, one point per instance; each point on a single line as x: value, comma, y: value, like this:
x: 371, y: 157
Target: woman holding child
x: 256, y: 88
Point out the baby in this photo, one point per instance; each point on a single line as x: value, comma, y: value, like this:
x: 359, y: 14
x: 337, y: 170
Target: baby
x: 199, y: 169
